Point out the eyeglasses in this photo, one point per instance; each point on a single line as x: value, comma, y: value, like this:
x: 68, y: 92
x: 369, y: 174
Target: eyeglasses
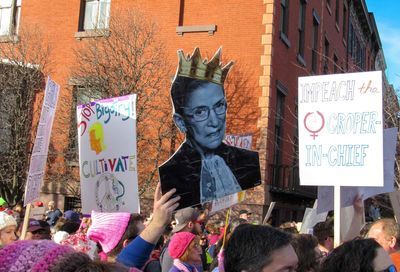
x: 391, y: 268
x: 202, y: 113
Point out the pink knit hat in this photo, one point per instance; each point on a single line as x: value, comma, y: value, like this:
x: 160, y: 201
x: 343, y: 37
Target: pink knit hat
x: 32, y: 255
x: 108, y: 228
x: 179, y: 243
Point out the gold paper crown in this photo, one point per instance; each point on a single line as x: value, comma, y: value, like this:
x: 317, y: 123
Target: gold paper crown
x: 195, y: 67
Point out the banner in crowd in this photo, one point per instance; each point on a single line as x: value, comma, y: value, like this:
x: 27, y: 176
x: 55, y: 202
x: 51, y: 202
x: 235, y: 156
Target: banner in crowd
x: 340, y: 129
x: 349, y: 193
x: 107, y: 155
x: 227, y: 201
x: 41, y: 145
x: 242, y: 141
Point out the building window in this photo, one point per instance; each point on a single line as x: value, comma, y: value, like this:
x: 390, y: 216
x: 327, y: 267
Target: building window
x: 95, y: 14
x: 284, y: 20
x: 302, y: 23
x: 10, y: 11
x: 81, y: 95
x: 279, y: 117
x: 326, y: 56
x: 314, y: 54
x: 336, y: 64
x: 337, y: 12
x: 344, y: 27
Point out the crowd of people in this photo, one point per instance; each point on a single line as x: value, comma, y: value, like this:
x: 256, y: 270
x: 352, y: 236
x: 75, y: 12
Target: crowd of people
x: 187, y: 240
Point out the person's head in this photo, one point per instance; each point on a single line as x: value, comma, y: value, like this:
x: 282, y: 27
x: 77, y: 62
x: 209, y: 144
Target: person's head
x: 244, y: 214
x: 324, y: 233
x: 360, y: 255
x: 387, y: 233
x: 254, y: 248
x: 38, y: 230
x: 72, y: 216
x: 51, y: 205
x: 3, y: 204
x: 8, y: 227
x: 200, y: 111
x: 45, y: 255
x: 289, y: 227
x: 113, y: 231
x: 199, y: 101
x: 306, y: 248
x: 187, y: 220
x: 185, y: 246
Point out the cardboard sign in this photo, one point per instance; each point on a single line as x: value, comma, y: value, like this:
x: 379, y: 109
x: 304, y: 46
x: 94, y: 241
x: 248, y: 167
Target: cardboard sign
x: 37, y: 213
x: 340, y: 129
x: 348, y: 194
x: 107, y: 155
x: 204, y: 168
x: 41, y: 145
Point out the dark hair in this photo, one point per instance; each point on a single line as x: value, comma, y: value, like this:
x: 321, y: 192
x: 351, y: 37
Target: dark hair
x: 323, y: 230
x: 130, y: 233
x: 304, y: 245
x: 180, y: 87
x: 80, y: 262
x: 352, y: 256
x: 250, y: 247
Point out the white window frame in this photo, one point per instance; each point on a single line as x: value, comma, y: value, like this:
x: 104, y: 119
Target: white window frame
x: 12, y: 9
x: 100, y: 14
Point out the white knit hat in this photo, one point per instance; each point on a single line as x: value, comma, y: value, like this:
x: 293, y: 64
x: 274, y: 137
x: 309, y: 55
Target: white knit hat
x: 6, y: 220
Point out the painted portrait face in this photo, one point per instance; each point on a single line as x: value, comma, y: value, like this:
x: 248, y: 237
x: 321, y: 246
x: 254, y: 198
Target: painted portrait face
x: 205, y: 116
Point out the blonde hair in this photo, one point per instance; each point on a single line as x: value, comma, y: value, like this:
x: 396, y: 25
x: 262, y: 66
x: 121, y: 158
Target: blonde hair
x: 192, y: 245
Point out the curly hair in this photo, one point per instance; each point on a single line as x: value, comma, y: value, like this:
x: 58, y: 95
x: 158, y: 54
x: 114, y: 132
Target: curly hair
x: 352, y: 256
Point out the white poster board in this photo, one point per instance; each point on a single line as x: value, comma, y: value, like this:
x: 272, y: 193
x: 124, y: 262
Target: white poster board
x: 242, y: 141
x: 41, y: 145
x: 311, y: 218
x: 325, y: 193
x: 107, y: 155
x: 227, y: 201
x: 340, y: 129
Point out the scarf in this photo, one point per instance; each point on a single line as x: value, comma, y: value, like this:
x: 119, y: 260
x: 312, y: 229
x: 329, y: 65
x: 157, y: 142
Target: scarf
x: 182, y: 267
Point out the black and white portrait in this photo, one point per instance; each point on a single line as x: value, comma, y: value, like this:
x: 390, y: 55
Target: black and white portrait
x: 204, y: 168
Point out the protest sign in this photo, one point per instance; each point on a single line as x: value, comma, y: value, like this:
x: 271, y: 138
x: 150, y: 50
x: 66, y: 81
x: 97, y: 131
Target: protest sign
x: 37, y: 213
x: 204, y: 168
x: 269, y: 212
x: 227, y: 201
x: 340, y: 129
x: 311, y: 218
x: 41, y: 145
x: 340, y: 133
x: 107, y: 155
x: 242, y: 141
x: 325, y: 193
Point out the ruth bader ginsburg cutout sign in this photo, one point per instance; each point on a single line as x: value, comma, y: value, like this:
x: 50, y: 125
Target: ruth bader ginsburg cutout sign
x: 107, y: 155
x: 341, y: 130
x: 204, y: 168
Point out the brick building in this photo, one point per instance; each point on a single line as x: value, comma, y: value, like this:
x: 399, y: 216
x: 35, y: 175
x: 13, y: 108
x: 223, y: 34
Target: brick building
x: 272, y: 42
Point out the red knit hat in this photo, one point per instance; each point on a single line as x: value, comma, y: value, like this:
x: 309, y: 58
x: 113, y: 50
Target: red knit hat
x: 179, y: 243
